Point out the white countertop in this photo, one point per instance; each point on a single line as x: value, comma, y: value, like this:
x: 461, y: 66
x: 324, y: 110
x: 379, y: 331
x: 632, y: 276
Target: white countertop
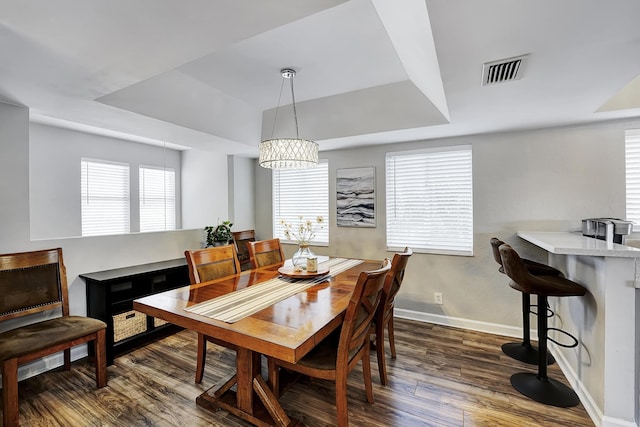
x: 565, y: 243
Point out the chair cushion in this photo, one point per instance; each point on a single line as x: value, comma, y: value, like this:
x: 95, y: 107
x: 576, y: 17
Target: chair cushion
x: 554, y: 286
x: 38, y: 336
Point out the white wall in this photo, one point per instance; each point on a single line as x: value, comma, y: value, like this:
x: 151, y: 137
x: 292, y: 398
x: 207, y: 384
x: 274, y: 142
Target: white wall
x: 205, y: 196
x: 14, y: 177
x: 241, y: 199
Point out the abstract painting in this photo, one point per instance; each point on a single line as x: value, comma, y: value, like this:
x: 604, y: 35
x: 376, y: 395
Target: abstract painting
x: 355, y: 194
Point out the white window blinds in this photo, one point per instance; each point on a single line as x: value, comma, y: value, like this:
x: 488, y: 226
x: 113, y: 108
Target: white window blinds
x: 105, y: 197
x: 301, y: 192
x: 157, y: 198
x: 430, y: 200
x: 632, y: 161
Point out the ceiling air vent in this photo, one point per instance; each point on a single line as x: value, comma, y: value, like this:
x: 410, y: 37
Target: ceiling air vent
x: 503, y: 70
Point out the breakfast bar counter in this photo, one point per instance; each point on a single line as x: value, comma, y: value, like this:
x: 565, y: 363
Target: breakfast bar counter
x: 564, y: 243
x: 604, y: 368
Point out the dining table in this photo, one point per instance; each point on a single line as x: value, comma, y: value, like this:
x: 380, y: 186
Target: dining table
x: 274, y: 311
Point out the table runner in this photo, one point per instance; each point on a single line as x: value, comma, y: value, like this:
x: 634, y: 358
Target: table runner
x: 239, y: 304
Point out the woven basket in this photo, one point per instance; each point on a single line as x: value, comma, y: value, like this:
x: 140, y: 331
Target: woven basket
x: 159, y: 322
x: 128, y: 324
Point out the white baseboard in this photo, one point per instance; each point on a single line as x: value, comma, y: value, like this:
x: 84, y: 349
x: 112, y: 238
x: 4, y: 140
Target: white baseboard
x: 586, y: 399
x: 458, y: 322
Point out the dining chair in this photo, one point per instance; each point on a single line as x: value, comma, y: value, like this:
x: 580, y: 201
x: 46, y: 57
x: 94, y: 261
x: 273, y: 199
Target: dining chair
x: 265, y: 252
x: 384, y: 316
x: 204, y: 265
x: 34, y: 285
x: 335, y: 356
x: 241, y: 240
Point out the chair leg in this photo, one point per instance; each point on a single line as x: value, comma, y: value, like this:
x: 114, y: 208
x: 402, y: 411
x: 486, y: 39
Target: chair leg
x: 100, y: 352
x: 366, y: 373
x: 67, y: 359
x: 201, y: 357
x: 524, y: 351
x: 382, y: 364
x: 10, y: 413
x: 341, y: 399
x: 392, y: 338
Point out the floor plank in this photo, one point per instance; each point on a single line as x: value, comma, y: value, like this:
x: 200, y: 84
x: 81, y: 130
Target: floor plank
x: 442, y: 376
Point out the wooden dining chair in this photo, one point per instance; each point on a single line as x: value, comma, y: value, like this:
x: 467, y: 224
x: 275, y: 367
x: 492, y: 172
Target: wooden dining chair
x: 335, y: 356
x: 204, y: 265
x: 384, y: 315
x: 32, y: 283
x: 266, y: 252
x: 242, y: 239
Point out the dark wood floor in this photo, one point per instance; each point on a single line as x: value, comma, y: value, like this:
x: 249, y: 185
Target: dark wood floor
x: 442, y: 377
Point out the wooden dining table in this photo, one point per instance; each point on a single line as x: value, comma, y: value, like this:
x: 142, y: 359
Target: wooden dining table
x: 286, y: 330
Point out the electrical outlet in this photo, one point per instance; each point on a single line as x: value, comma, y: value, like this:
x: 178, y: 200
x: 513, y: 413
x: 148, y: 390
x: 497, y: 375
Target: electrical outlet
x: 437, y: 297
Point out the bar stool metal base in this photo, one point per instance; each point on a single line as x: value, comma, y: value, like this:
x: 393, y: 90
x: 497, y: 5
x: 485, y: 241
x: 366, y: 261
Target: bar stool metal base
x: 547, y: 391
x: 524, y: 353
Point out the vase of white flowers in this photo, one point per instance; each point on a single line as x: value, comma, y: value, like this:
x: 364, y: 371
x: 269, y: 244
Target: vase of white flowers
x: 302, y: 233
x: 299, y: 258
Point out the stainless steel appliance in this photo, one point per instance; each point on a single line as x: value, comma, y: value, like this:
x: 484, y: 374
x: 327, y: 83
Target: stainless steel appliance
x: 612, y: 230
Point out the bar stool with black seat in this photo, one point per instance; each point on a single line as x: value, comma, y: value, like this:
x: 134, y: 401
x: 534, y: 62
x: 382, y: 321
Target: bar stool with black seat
x: 540, y: 387
x: 524, y: 351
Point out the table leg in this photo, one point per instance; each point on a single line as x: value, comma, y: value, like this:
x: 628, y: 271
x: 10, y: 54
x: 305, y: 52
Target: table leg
x: 264, y: 411
x: 248, y: 367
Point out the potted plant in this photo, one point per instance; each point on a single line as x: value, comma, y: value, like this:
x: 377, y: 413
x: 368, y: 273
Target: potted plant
x: 220, y: 234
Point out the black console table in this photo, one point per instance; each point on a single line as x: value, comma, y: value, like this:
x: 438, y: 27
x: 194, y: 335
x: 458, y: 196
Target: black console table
x: 110, y: 296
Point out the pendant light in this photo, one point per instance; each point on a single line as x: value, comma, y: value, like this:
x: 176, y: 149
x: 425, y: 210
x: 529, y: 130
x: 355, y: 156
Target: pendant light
x: 288, y: 153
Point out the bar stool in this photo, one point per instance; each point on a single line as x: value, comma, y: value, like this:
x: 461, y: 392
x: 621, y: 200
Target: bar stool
x: 524, y: 351
x: 540, y: 387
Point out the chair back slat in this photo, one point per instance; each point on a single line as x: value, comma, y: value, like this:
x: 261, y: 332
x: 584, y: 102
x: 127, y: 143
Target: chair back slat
x: 31, y: 282
x: 212, y: 263
x: 264, y: 253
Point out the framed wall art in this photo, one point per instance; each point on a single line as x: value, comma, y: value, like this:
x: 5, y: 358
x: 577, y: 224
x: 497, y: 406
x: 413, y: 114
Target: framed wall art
x: 356, y: 197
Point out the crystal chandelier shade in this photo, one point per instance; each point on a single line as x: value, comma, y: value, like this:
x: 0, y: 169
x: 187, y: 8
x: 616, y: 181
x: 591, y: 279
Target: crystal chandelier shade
x: 288, y: 153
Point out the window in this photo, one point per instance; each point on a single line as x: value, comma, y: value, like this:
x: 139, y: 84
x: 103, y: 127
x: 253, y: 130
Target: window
x: 104, y: 189
x: 430, y: 200
x: 632, y: 160
x: 301, y: 192
x: 157, y: 198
